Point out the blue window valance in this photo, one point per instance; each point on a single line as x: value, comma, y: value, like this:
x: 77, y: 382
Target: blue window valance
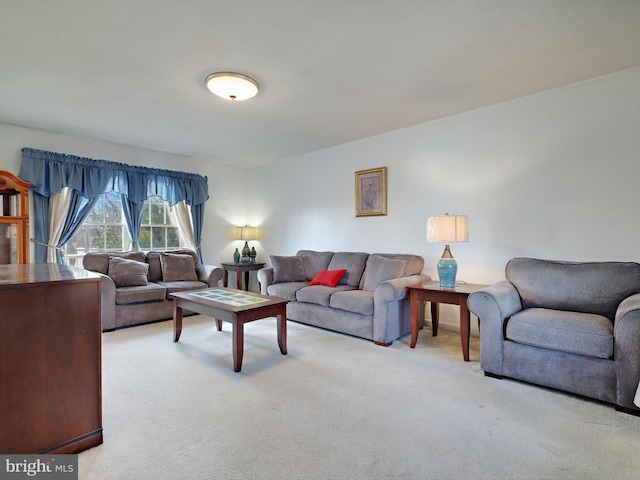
x: 50, y: 172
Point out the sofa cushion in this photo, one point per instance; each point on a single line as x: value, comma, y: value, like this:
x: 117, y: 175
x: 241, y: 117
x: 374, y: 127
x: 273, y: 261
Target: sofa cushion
x: 380, y: 269
x: 128, y: 273
x: 99, y: 261
x: 319, y: 294
x: 313, y: 262
x: 286, y: 290
x: 356, y: 301
x: 353, y: 263
x: 181, y: 286
x: 591, y: 287
x: 149, y: 293
x: 155, y: 264
x: 582, y: 333
x: 330, y: 278
x: 287, y: 269
x: 178, y: 267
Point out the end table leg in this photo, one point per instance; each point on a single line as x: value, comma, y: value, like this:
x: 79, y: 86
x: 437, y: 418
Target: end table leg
x: 225, y: 280
x: 465, y: 322
x: 435, y: 318
x: 177, y: 320
x: 282, y: 330
x: 237, y: 328
x: 246, y: 280
x: 414, y: 309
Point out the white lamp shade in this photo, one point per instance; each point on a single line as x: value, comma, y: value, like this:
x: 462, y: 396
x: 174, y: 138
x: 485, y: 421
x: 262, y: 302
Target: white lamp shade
x: 232, y: 86
x: 247, y: 233
x: 448, y: 229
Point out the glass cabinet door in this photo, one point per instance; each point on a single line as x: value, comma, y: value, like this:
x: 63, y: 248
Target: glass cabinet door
x: 14, y: 219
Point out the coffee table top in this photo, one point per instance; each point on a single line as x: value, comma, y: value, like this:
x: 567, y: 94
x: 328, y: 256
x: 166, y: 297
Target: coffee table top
x: 230, y: 298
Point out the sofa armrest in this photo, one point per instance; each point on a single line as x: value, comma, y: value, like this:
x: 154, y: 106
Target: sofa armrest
x: 265, y: 278
x: 210, y: 274
x: 493, y: 305
x: 626, y: 338
x: 107, y: 302
x: 396, y: 289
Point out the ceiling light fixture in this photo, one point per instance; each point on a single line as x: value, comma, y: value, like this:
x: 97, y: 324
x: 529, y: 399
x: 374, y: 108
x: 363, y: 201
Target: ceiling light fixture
x: 231, y: 86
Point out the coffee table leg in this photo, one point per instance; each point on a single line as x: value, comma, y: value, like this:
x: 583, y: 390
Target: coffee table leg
x: 219, y: 325
x: 237, y: 328
x: 177, y: 320
x: 282, y: 330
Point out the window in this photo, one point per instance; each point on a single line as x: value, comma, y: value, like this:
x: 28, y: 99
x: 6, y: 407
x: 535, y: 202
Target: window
x: 105, y: 229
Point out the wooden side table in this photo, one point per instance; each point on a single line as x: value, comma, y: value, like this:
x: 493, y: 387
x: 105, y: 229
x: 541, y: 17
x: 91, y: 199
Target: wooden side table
x: 239, y: 268
x: 431, y: 292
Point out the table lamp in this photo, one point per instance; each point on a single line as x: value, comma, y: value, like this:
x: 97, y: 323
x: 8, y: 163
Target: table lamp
x: 247, y: 233
x: 447, y: 229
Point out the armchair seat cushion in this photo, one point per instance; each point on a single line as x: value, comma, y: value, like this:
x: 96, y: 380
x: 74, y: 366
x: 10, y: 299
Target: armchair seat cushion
x: 571, y: 332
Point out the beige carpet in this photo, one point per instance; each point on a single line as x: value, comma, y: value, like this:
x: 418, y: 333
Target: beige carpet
x: 337, y: 407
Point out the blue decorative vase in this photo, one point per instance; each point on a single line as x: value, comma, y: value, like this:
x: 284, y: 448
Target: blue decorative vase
x: 447, y: 269
x: 236, y: 256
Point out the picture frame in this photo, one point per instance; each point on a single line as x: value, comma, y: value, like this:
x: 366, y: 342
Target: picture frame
x: 371, y: 192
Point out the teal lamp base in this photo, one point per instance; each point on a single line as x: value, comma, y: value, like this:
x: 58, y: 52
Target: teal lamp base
x: 447, y: 269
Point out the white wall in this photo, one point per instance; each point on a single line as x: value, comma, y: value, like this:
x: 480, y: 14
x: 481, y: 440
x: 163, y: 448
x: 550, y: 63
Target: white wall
x: 552, y: 175
x: 219, y: 210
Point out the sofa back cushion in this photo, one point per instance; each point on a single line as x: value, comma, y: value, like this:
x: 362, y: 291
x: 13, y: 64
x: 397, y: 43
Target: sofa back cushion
x: 99, y: 261
x: 287, y: 269
x: 590, y: 287
x: 380, y: 269
x: 178, y: 267
x: 128, y: 273
x: 413, y: 266
x: 353, y: 263
x: 314, y: 262
x: 155, y: 264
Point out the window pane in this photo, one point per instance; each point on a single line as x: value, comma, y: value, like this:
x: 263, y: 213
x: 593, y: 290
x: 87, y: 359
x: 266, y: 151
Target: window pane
x: 114, y: 237
x: 157, y: 214
x: 144, y: 241
x: 96, y: 215
x: 145, y: 214
x: 96, y: 237
x: 112, y: 208
x: 158, y: 240
x: 173, y: 237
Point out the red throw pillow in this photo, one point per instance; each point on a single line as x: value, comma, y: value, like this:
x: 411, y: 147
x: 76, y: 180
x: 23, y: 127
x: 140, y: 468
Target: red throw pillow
x: 330, y: 278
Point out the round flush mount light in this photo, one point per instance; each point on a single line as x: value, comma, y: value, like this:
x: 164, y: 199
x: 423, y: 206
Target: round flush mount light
x: 231, y: 86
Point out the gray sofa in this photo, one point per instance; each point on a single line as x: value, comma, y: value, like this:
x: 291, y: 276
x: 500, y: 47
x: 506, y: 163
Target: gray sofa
x: 136, y: 287
x: 569, y: 326
x: 370, y: 300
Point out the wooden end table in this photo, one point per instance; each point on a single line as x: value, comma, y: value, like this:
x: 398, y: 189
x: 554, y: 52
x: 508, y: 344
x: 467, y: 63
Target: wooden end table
x: 236, y: 307
x: 239, y: 268
x: 432, y: 292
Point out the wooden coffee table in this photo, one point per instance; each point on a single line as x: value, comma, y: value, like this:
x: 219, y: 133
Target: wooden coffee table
x: 234, y: 306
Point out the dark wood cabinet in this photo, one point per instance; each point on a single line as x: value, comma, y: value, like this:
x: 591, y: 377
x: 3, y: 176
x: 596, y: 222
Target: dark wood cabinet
x: 50, y: 359
x: 14, y: 219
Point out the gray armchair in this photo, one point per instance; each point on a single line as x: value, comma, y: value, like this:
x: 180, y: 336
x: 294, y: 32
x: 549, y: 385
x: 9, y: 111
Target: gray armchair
x: 569, y: 326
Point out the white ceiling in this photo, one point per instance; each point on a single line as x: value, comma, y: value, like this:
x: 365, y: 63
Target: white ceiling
x: 330, y: 71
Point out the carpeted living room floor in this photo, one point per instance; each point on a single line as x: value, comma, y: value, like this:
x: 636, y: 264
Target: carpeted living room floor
x: 337, y: 407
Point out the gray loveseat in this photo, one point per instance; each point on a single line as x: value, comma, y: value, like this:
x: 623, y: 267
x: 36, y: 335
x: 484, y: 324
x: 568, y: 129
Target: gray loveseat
x: 569, y: 326
x: 136, y: 287
x: 370, y: 301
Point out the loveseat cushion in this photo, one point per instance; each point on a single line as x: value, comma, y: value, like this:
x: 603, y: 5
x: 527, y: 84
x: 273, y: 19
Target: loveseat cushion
x: 356, y: 301
x: 287, y: 269
x: 313, y: 262
x: 128, y: 273
x: 181, y: 286
x: 177, y: 267
x: 155, y: 264
x: 353, y: 263
x: 286, y: 290
x: 99, y: 261
x: 582, y: 333
x: 149, y: 293
x: 380, y: 269
x: 319, y: 294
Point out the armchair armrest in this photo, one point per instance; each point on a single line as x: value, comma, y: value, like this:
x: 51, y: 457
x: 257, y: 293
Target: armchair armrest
x: 210, y: 274
x: 626, y: 353
x: 265, y: 278
x: 493, y: 305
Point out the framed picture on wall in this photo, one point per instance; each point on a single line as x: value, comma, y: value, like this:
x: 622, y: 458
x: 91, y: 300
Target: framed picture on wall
x: 371, y: 192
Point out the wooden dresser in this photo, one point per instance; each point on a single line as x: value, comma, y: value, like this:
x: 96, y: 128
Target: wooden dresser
x: 50, y: 359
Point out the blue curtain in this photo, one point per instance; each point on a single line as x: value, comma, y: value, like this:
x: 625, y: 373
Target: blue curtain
x: 78, y: 210
x: 133, y: 218
x: 50, y: 172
